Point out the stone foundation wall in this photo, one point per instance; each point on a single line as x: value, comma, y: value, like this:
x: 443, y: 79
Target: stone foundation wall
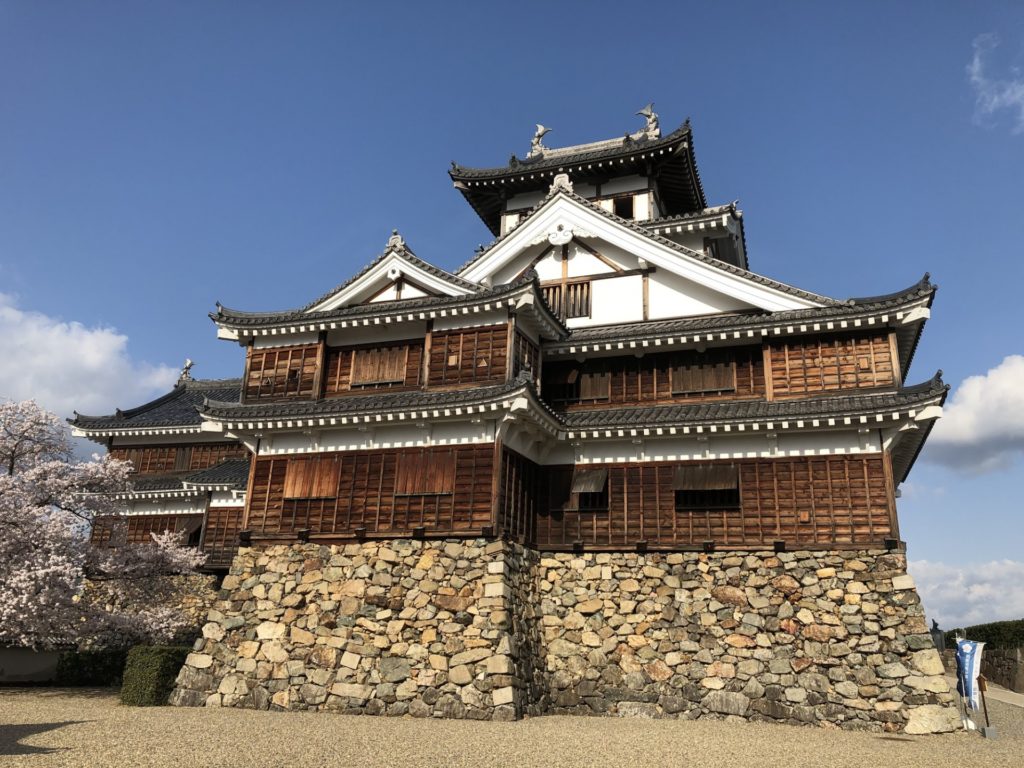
x: 402, y: 627
x: 491, y: 630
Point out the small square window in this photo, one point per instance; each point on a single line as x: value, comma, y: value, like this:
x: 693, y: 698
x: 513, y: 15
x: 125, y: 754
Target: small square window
x: 623, y: 207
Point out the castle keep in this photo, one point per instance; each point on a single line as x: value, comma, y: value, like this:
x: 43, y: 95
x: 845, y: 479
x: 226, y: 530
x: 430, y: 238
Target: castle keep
x: 602, y: 467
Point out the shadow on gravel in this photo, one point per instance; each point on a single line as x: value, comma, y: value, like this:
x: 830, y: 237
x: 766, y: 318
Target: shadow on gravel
x: 11, y: 735
x: 38, y: 692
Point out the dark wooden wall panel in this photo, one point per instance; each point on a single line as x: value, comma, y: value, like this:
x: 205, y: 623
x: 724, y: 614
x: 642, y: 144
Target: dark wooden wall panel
x: 281, y: 372
x: 468, y: 356
x: 220, y: 538
x: 648, y: 379
x: 833, y: 500
x: 831, y: 363
x: 111, y: 530
x: 367, y: 495
x: 518, y: 490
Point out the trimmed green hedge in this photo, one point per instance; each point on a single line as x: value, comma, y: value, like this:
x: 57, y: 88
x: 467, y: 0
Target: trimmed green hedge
x: 91, y: 668
x: 998, y: 634
x: 150, y: 672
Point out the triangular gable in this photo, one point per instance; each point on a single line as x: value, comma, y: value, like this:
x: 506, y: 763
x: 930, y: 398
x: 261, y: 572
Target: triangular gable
x: 397, y: 264
x: 564, y: 217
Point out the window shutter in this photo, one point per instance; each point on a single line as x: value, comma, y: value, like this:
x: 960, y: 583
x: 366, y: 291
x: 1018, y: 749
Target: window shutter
x: 328, y: 474
x: 298, y: 479
x: 425, y: 473
x: 595, y: 385
x: 589, y: 480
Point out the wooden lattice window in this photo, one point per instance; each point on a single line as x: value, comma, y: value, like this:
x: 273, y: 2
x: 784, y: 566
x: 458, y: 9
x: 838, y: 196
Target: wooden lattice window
x: 568, y: 300
x: 706, y: 486
x: 421, y: 474
x: 379, y: 365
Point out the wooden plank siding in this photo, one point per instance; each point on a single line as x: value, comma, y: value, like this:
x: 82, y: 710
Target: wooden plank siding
x: 115, y: 530
x: 829, y: 501
x: 220, y: 538
x: 343, y: 362
x: 281, y: 373
x: 156, y: 459
x: 375, y: 492
x: 831, y: 363
x: 525, y: 357
x: 518, y: 486
x: 649, y: 379
x: 468, y: 356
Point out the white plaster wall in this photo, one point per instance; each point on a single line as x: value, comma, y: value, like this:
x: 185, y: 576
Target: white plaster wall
x: 546, y: 269
x: 285, y: 340
x: 371, y: 334
x: 185, y: 506
x: 613, y: 300
x: 583, y: 263
x: 409, y: 291
x: 624, y: 184
x: 641, y: 206
x: 406, y: 434
x: 723, y: 446
x: 525, y: 200
x: 471, y: 320
x: 674, y: 296
x: 222, y: 499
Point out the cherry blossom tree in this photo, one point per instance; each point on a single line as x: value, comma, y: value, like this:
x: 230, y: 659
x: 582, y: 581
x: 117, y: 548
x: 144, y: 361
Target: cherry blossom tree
x: 57, y: 590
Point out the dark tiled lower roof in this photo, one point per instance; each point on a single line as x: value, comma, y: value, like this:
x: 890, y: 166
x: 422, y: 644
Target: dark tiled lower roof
x: 150, y: 483
x: 177, y: 408
x: 728, y: 322
x: 235, y: 318
x: 695, y: 414
x: 233, y: 472
x: 387, y: 402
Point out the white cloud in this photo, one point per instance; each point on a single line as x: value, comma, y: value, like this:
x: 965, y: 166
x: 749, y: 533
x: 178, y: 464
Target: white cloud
x: 994, y: 95
x: 961, y: 596
x: 982, y: 427
x: 65, y: 366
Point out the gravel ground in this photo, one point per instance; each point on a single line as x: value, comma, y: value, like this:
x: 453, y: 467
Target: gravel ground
x: 85, y: 728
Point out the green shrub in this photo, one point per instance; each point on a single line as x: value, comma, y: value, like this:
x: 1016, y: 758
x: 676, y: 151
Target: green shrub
x: 149, y: 674
x: 93, y: 668
x: 998, y: 634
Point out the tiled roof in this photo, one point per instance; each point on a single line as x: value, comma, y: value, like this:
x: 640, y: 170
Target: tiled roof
x: 237, y: 318
x: 706, y: 213
x: 735, y: 411
x: 233, y: 472
x: 405, y: 253
x: 378, y: 402
x: 151, y: 483
x: 671, y: 158
x: 741, y: 321
x: 586, y: 153
x: 177, y: 408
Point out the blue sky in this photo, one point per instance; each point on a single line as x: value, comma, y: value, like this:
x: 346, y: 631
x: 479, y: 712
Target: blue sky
x: 158, y: 157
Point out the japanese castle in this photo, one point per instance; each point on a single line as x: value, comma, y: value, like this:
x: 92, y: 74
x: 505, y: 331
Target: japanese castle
x: 606, y: 376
